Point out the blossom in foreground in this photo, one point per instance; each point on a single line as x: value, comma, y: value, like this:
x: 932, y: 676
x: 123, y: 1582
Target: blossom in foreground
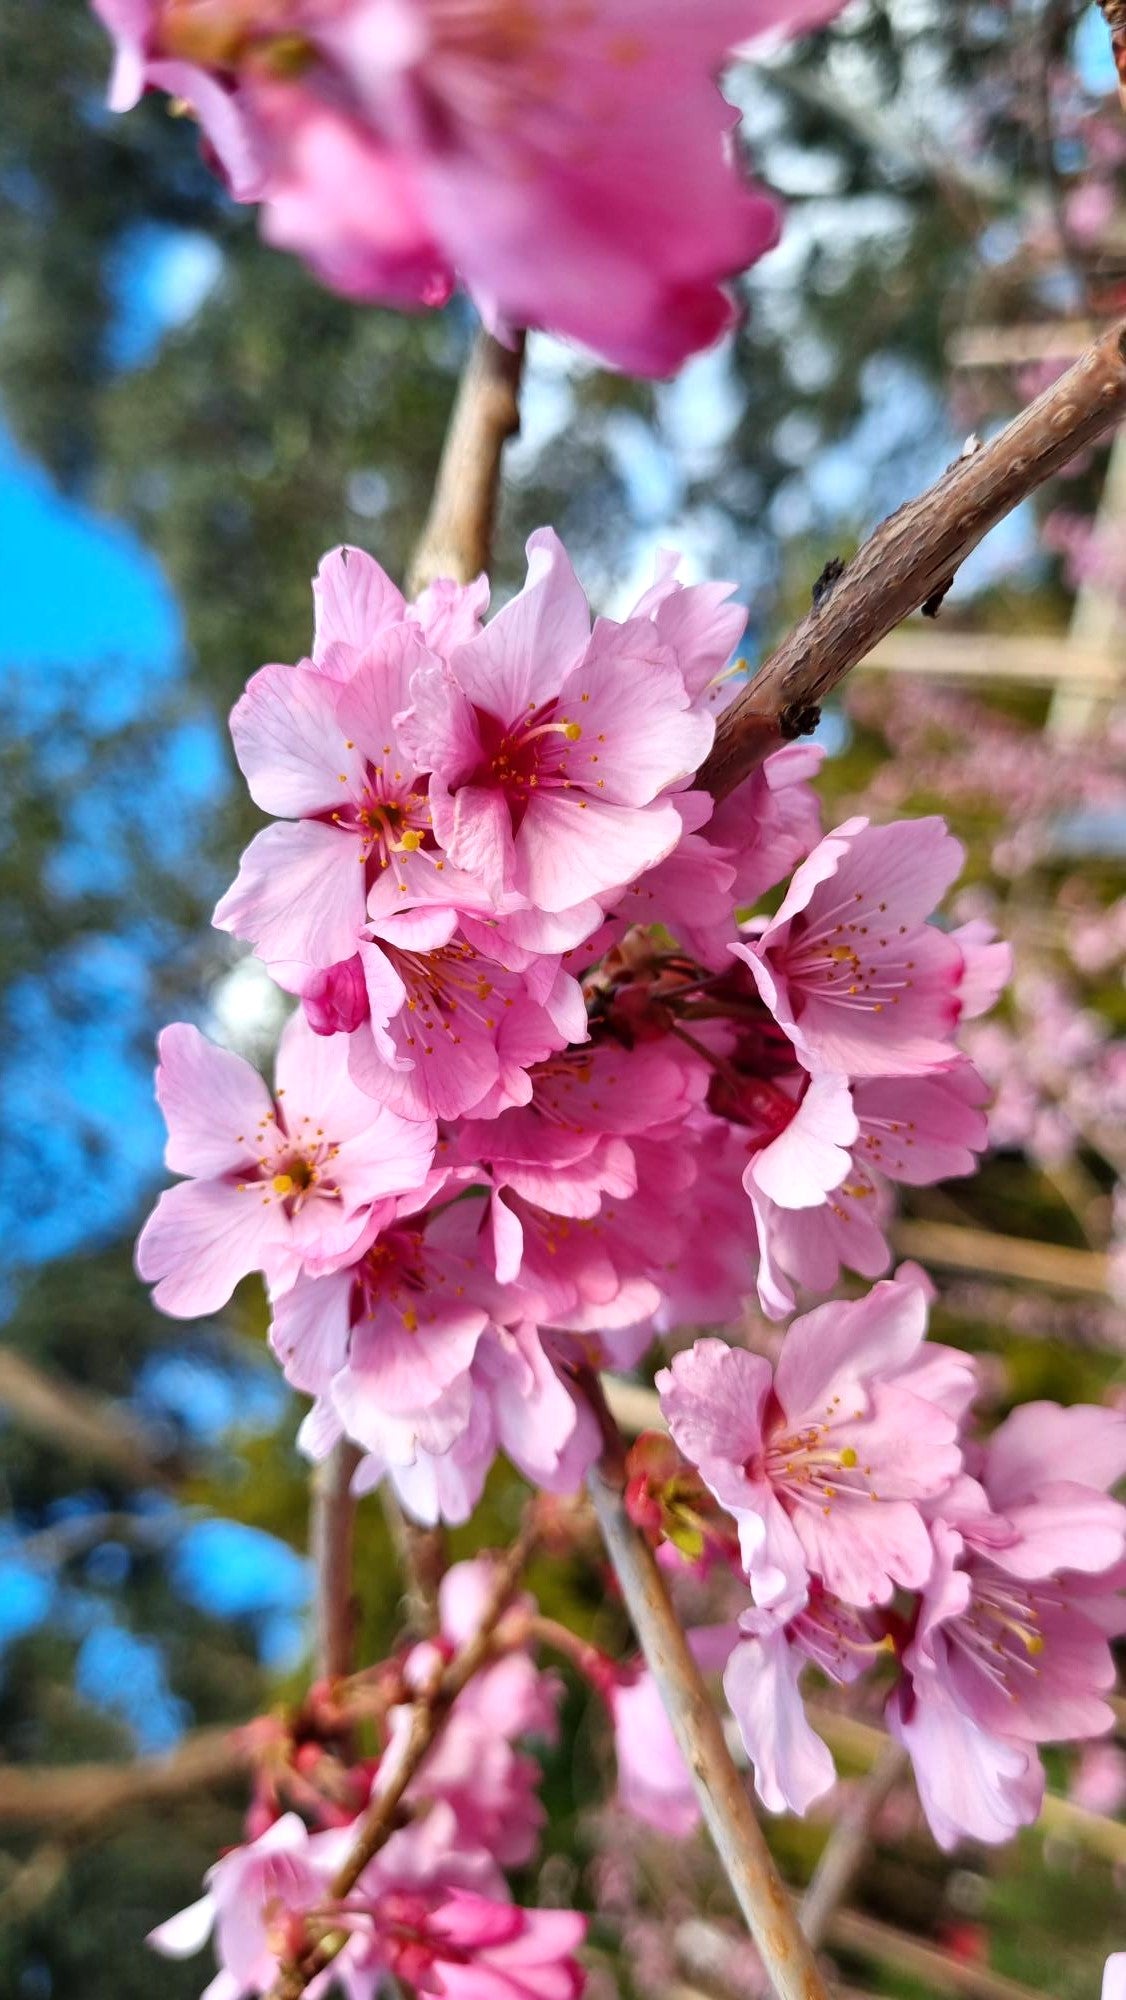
x: 430, y: 1911
x: 280, y: 1182
x: 574, y: 168
x: 824, y: 1461
x: 793, y: 1767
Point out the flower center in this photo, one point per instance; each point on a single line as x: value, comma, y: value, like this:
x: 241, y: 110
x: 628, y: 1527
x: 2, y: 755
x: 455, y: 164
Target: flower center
x: 849, y: 955
x: 522, y: 757
x: 1000, y: 1632
x: 810, y: 1470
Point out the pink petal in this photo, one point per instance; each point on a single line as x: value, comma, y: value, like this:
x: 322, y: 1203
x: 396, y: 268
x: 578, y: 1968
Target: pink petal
x: 292, y: 751
x: 299, y: 895
x: 201, y: 1238
x: 213, y: 1103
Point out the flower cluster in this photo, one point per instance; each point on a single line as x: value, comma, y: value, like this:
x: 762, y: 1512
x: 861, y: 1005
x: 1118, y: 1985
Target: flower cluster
x: 572, y: 165
x: 872, y: 1531
x: 537, y: 1047
x: 431, y: 1907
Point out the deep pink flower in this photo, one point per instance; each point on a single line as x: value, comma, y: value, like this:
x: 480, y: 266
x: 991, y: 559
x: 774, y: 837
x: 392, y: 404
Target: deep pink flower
x: 354, y: 836
x: 823, y: 1465
x: 446, y: 1029
x: 550, y: 746
x: 279, y: 1184
x: 576, y: 170
x: 850, y: 968
x: 389, y: 1341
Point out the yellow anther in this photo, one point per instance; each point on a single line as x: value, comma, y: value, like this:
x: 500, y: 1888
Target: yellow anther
x: 282, y: 1184
x: 848, y: 1457
x: 572, y: 731
x: 411, y: 841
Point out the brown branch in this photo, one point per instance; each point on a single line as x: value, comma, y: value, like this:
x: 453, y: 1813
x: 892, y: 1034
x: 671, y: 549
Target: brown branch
x: 457, y: 538
x: 724, y: 1799
x: 63, y: 1796
x: 332, y: 1521
x: 69, y: 1419
x: 428, y: 1714
x: 842, y: 1856
x: 913, y: 556
x: 423, y: 1555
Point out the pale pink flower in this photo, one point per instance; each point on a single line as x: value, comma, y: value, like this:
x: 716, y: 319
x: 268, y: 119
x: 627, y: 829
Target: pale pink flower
x: 1114, y: 1977
x: 793, y: 1767
x: 355, y: 600
x: 823, y: 1462
x: 810, y: 1219
x: 256, y: 1903
x: 577, y: 171
x: 280, y: 1183
x: 550, y: 745
x: 1010, y: 1645
x: 850, y: 968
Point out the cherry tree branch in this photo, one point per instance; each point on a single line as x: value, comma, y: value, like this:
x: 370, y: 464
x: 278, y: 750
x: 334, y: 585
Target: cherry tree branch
x: 332, y: 1520
x: 724, y: 1798
x: 457, y: 538
x: 91, y: 1428
x: 911, y: 560
x: 428, y: 1715
x: 68, y: 1796
x: 842, y: 1856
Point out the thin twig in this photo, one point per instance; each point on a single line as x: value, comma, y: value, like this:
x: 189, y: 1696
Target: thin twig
x: 332, y: 1521
x: 913, y: 556
x: 428, y: 1714
x: 842, y: 1856
x: 724, y: 1799
x: 457, y: 538
x: 423, y: 1555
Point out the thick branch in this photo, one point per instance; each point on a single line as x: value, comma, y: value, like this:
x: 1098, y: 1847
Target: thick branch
x: 912, y: 558
x: 724, y: 1798
x: 64, y: 1795
x: 457, y: 538
x: 71, y: 1419
x: 332, y: 1520
x: 428, y: 1714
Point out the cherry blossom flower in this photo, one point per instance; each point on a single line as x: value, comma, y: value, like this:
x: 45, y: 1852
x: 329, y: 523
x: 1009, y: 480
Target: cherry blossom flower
x: 550, y: 745
x: 1114, y: 1977
x: 1010, y: 1645
x: 256, y: 1903
x: 849, y: 967
x: 282, y: 1183
x: 811, y: 1218
x: 793, y: 1767
x: 824, y: 1461
x: 354, y: 836
x: 575, y: 170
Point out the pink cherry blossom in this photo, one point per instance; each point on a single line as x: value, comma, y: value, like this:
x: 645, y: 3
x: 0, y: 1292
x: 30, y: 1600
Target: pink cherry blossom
x: 447, y: 1029
x: 550, y: 745
x: 1010, y: 1644
x: 577, y: 171
x: 355, y: 600
x: 389, y: 1341
x: 850, y: 968
x: 912, y: 1129
x: 354, y: 836
x: 256, y: 1902
x: 793, y: 1767
x: 824, y: 1461
x: 280, y: 1183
